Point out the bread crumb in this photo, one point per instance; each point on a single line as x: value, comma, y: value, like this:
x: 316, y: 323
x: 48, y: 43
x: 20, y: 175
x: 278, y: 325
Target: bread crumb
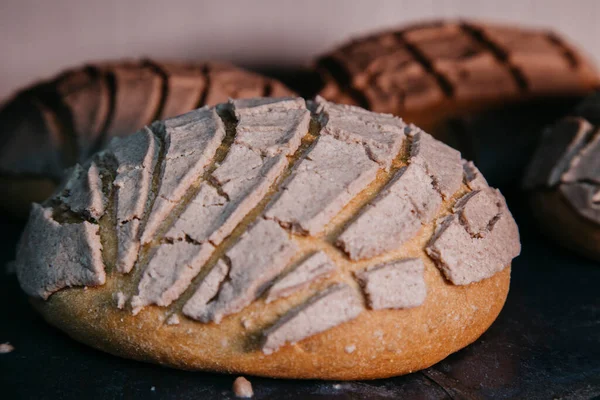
x: 337, y: 386
x: 121, y: 299
x: 350, y: 349
x: 153, y: 389
x: 173, y: 320
x: 6, y: 348
x: 242, y: 388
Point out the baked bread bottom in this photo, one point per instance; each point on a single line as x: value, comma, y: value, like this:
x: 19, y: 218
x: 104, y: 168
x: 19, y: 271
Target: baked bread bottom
x: 377, y: 344
x: 564, y: 225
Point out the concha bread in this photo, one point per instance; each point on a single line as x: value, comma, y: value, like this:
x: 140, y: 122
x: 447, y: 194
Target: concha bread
x: 563, y: 180
x: 272, y: 238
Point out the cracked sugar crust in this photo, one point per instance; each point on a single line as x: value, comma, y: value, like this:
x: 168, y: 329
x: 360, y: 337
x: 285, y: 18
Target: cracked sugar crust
x: 585, y: 199
x: 441, y: 162
x: 558, y: 148
x: 135, y: 169
x: 332, y: 173
x: 472, y: 177
x: 585, y: 166
x: 208, y: 288
x: 82, y: 192
x: 261, y: 254
x: 191, y: 141
x: 271, y: 126
x: 381, y: 134
x: 335, y: 305
x: 398, y: 284
x: 316, y: 266
x: 52, y: 256
x: 244, y: 179
x: 225, y: 249
x: 170, y: 272
x: 394, y: 216
x: 478, y: 210
x: 465, y: 258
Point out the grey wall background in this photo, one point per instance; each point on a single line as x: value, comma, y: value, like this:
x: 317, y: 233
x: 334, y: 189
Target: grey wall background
x: 38, y: 38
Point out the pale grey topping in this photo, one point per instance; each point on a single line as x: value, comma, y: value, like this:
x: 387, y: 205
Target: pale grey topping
x: 337, y: 304
x: 585, y: 166
x: 472, y: 177
x: 128, y: 244
x: 191, y: 141
x: 136, y: 158
x: 262, y: 105
x: 465, y: 258
x: 398, y: 284
x: 82, y: 192
x: 558, y: 146
x: 395, y: 216
x: 441, y: 162
x: 381, y: 134
x: 317, y: 265
x: 477, y: 210
x: 53, y: 256
x: 331, y: 175
x: 234, y: 189
x: 244, y: 179
x: 271, y: 126
x: 260, y: 255
x: 201, y: 217
x: 585, y: 199
x: 206, y: 291
x: 169, y: 273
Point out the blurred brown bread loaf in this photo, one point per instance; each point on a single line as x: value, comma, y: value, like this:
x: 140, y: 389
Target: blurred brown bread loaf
x: 54, y: 124
x: 563, y: 180
x: 453, y: 68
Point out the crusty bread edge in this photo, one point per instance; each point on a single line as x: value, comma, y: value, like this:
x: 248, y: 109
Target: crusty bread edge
x: 377, y: 344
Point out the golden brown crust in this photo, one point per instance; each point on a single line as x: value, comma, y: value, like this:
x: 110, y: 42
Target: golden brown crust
x: 561, y: 222
x: 387, y: 342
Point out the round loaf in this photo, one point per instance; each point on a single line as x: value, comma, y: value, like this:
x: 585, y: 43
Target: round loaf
x: 268, y: 237
x: 435, y: 72
x: 563, y: 180
x: 54, y: 124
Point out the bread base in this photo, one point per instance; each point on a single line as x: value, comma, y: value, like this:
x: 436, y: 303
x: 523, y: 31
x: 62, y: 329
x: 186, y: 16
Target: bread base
x: 564, y: 225
x: 377, y: 344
